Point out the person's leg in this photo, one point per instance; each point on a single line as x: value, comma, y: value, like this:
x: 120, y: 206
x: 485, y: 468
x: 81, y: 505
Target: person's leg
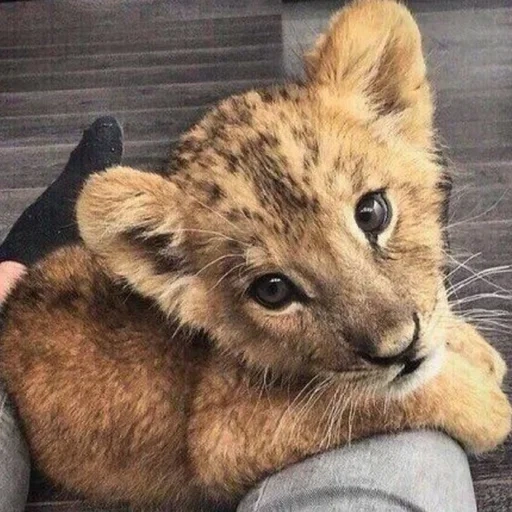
x: 44, y: 226
x: 412, y: 471
x: 14, y: 460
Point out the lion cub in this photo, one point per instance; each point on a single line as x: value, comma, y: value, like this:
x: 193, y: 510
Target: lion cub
x: 278, y: 292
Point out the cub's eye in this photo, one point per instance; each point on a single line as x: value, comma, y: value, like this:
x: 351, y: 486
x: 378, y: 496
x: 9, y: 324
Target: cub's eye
x: 373, y: 213
x: 273, y: 291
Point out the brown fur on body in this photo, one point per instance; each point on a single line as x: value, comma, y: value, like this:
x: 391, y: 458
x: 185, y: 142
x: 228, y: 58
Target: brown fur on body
x: 141, y: 368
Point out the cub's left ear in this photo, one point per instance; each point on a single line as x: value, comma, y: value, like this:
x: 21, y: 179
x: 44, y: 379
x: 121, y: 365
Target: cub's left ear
x: 132, y: 219
x: 373, y: 48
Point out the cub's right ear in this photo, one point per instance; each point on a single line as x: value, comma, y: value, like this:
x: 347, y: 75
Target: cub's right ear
x: 132, y: 220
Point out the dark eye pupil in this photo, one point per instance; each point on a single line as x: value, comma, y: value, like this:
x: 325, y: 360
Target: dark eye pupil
x: 373, y: 213
x: 272, y: 291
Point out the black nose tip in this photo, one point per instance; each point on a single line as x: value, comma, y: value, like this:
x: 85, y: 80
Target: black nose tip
x: 404, y: 357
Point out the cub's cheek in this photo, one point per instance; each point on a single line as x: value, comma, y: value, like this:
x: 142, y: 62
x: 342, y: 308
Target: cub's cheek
x: 291, y: 321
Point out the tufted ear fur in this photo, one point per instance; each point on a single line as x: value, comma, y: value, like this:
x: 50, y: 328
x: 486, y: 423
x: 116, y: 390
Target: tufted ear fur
x: 132, y: 220
x: 373, y: 48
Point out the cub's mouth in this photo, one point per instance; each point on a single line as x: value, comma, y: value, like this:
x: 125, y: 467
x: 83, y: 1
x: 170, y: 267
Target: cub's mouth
x: 415, y: 364
x: 416, y: 372
x: 410, y: 367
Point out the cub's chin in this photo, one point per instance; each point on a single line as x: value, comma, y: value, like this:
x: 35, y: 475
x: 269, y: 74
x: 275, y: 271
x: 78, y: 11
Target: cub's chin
x: 404, y: 379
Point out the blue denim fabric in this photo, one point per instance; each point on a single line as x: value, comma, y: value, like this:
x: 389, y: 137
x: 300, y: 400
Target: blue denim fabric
x: 14, y: 460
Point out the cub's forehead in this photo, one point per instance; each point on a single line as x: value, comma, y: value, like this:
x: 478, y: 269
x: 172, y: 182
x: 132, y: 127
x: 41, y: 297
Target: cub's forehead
x: 284, y: 152
x: 258, y: 149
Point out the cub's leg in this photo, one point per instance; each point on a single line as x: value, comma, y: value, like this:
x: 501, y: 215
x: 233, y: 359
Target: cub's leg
x: 247, y: 433
x: 101, y: 392
x: 465, y: 340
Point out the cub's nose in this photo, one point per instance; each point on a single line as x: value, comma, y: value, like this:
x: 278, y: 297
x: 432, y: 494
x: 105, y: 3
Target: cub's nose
x: 397, y: 346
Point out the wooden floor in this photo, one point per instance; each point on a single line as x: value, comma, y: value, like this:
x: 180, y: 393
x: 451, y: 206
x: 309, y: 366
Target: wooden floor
x: 156, y: 65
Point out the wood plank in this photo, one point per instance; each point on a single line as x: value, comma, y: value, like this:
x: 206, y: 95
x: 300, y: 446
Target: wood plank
x: 98, y: 100
x: 139, y: 125
x: 146, y: 29
x: 77, y: 13
x: 475, y: 203
x: 480, y: 155
x: 466, y: 28
x: 494, y: 495
x: 14, y: 67
x: 482, y: 174
x: 491, y: 104
x: 484, y: 466
x: 477, y: 79
x: 491, y: 239
x: 135, y: 45
x: 134, y: 77
x: 441, y: 6
x: 468, y: 134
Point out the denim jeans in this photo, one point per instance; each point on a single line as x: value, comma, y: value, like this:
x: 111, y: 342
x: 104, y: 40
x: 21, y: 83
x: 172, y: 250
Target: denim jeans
x: 14, y: 460
x: 419, y: 471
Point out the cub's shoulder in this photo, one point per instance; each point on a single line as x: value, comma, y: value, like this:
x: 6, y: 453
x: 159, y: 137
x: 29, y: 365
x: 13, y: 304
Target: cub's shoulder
x: 62, y: 277
x: 68, y: 293
x: 69, y: 310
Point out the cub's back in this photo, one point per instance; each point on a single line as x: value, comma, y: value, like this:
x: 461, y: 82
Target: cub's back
x: 97, y: 382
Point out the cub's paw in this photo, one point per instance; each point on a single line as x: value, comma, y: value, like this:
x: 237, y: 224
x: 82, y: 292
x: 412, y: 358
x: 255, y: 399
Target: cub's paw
x: 495, y: 363
x: 464, y: 339
x: 474, y: 409
x: 490, y: 425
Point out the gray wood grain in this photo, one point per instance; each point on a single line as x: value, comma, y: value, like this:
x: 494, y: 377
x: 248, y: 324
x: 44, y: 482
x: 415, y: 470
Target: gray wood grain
x: 38, y: 166
x: 146, y: 29
x: 138, y: 125
x: 169, y: 74
x: 492, y: 105
x: 76, y: 14
x: 131, y: 45
x: 494, y: 495
x: 99, y: 100
x: 112, y: 61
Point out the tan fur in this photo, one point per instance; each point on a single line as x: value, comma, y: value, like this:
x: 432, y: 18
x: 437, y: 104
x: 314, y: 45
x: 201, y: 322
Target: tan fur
x: 142, y: 370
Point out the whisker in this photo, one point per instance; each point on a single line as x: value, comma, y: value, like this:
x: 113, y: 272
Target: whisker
x: 220, y: 258
x: 225, y: 275
x: 480, y: 215
x: 209, y: 232
x: 481, y: 275
x: 216, y: 213
x: 479, y: 296
x: 462, y: 264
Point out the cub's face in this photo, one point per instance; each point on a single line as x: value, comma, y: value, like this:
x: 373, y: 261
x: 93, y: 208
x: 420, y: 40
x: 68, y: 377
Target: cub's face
x: 299, y: 226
